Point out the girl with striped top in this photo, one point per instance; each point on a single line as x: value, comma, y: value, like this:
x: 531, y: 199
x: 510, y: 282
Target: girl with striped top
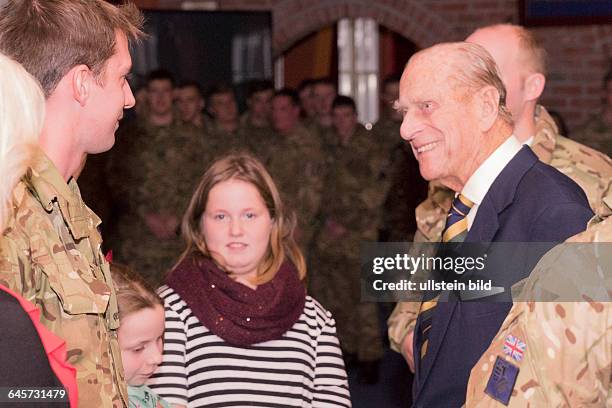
x: 240, y: 329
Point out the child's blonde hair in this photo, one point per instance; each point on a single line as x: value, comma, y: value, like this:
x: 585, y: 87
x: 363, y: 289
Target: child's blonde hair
x: 133, y: 294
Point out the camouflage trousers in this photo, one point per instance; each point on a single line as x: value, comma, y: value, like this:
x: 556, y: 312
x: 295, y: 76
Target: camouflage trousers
x: 334, y: 282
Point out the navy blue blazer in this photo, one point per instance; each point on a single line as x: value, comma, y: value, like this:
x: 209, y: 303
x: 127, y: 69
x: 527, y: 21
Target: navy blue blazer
x: 528, y: 202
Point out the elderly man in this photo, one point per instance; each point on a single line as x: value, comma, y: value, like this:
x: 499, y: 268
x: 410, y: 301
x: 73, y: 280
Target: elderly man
x: 53, y: 256
x: 521, y: 61
x: 461, y: 133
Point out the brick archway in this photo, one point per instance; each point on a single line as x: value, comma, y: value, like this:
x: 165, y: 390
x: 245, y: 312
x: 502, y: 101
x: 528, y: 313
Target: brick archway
x: 295, y: 19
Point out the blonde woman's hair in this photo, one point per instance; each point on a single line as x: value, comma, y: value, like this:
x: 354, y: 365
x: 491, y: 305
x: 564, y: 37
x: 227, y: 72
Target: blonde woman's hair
x: 133, y: 294
x: 22, y: 111
x: 244, y: 167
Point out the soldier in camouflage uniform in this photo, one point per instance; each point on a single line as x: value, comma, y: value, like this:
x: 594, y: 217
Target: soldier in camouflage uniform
x: 51, y: 249
x: 297, y: 163
x: 224, y: 131
x: 350, y: 214
x: 152, y: 173
x: 307, y: 102
x: 552, y: 354
x: 511, y: 47
x: 256, y: 128
x: 597, y: 132
x: 406, y: 186
x: 190, y: 104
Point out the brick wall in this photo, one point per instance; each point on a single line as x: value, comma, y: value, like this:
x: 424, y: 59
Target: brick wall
x: 578, y: 56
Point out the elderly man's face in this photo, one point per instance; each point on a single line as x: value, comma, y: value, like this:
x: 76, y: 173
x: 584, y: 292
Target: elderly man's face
x: 503, y: 45
x: 439, y: 121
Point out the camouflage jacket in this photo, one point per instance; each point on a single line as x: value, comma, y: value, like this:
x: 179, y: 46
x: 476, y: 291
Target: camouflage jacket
x: 596, y: 133
x: 51, y: 255
x: 297, y: 164
x: 153, y: 170
x: 551, y: 354
x: 591, y: 170
x: 354, y: 190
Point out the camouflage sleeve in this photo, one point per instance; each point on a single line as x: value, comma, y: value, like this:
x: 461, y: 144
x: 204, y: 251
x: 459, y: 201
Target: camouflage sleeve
x: 14, y: 269
x: 570, y: 342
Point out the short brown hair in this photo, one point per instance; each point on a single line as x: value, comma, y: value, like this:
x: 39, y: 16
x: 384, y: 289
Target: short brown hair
x: 50, y: 37
x: 133, y: 294
x: 244, y: 167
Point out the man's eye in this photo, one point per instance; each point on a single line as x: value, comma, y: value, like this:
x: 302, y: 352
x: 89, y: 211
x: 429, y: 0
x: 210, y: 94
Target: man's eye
x: 250, y: 215
x: 219, y: 216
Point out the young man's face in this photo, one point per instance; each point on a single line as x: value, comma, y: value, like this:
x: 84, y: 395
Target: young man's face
x: 324, y: 95
x: 285, y: 114
x: 189, y: 103
x: 223, y: 107
x: 108, y: 97
x: 159, y: 92
x: 344, y: 119
x: 260, y: 104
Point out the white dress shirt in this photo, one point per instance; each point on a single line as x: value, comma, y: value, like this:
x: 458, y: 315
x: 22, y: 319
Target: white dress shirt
x: 479, y: 183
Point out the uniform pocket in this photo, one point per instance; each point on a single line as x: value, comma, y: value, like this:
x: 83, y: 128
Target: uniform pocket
x: 72, y: 279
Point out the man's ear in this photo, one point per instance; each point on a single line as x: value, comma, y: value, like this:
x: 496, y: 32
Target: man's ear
x: 487, y: 103
x: 534, y: 86
x: 81, y: 79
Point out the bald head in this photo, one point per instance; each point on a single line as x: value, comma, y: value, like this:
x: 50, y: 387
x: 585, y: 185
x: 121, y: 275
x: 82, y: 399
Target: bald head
x: 521, y: 63
x: 512, y: 41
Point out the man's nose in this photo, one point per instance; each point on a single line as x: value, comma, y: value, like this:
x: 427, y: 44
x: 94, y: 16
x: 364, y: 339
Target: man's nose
x: 130, y: 101
x: 410, y: 127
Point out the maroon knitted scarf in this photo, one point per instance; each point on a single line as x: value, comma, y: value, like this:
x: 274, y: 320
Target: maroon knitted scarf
x: 238, y: 314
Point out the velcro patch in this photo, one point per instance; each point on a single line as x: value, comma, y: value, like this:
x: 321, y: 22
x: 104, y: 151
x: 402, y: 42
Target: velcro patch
x: 502, y: 380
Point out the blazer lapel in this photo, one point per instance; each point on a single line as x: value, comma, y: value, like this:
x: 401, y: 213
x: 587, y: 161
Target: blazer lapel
x: 500, y: 196
x: 485, y: 226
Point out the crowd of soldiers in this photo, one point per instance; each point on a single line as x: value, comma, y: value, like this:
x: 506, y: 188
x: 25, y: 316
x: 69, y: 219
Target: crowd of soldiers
x: 345, y: 184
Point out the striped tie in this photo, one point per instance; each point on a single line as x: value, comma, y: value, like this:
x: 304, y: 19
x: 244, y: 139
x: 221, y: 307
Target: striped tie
x: 454, y: 231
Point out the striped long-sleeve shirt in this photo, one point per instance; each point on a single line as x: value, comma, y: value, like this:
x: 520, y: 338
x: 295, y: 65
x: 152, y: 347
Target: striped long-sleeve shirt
x: 304, y: 368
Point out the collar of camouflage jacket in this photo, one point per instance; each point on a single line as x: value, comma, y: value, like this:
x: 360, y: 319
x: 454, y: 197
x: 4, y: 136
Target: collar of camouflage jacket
x: 50, y: 187
x: 545, y: 138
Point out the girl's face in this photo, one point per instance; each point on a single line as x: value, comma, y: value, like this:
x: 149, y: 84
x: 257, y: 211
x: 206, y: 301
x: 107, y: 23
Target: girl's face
x: 140, y: 340
x: 236, y: 226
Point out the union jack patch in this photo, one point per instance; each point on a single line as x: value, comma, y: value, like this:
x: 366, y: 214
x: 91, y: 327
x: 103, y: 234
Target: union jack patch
x: 514, y: 347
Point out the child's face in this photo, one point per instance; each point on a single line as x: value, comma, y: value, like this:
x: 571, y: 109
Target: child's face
x: 140, y: 340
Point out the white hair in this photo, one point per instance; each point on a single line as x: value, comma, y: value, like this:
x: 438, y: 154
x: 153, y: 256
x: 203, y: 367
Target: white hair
x: 22, y: 110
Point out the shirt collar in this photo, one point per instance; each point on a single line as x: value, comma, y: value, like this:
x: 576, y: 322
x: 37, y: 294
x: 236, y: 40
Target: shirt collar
x: 479, y: 183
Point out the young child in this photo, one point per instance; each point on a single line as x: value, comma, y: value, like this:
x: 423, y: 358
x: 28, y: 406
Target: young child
x: 141, y: 333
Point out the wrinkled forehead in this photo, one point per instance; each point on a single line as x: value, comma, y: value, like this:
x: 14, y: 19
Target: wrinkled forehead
x: 427, y: 71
